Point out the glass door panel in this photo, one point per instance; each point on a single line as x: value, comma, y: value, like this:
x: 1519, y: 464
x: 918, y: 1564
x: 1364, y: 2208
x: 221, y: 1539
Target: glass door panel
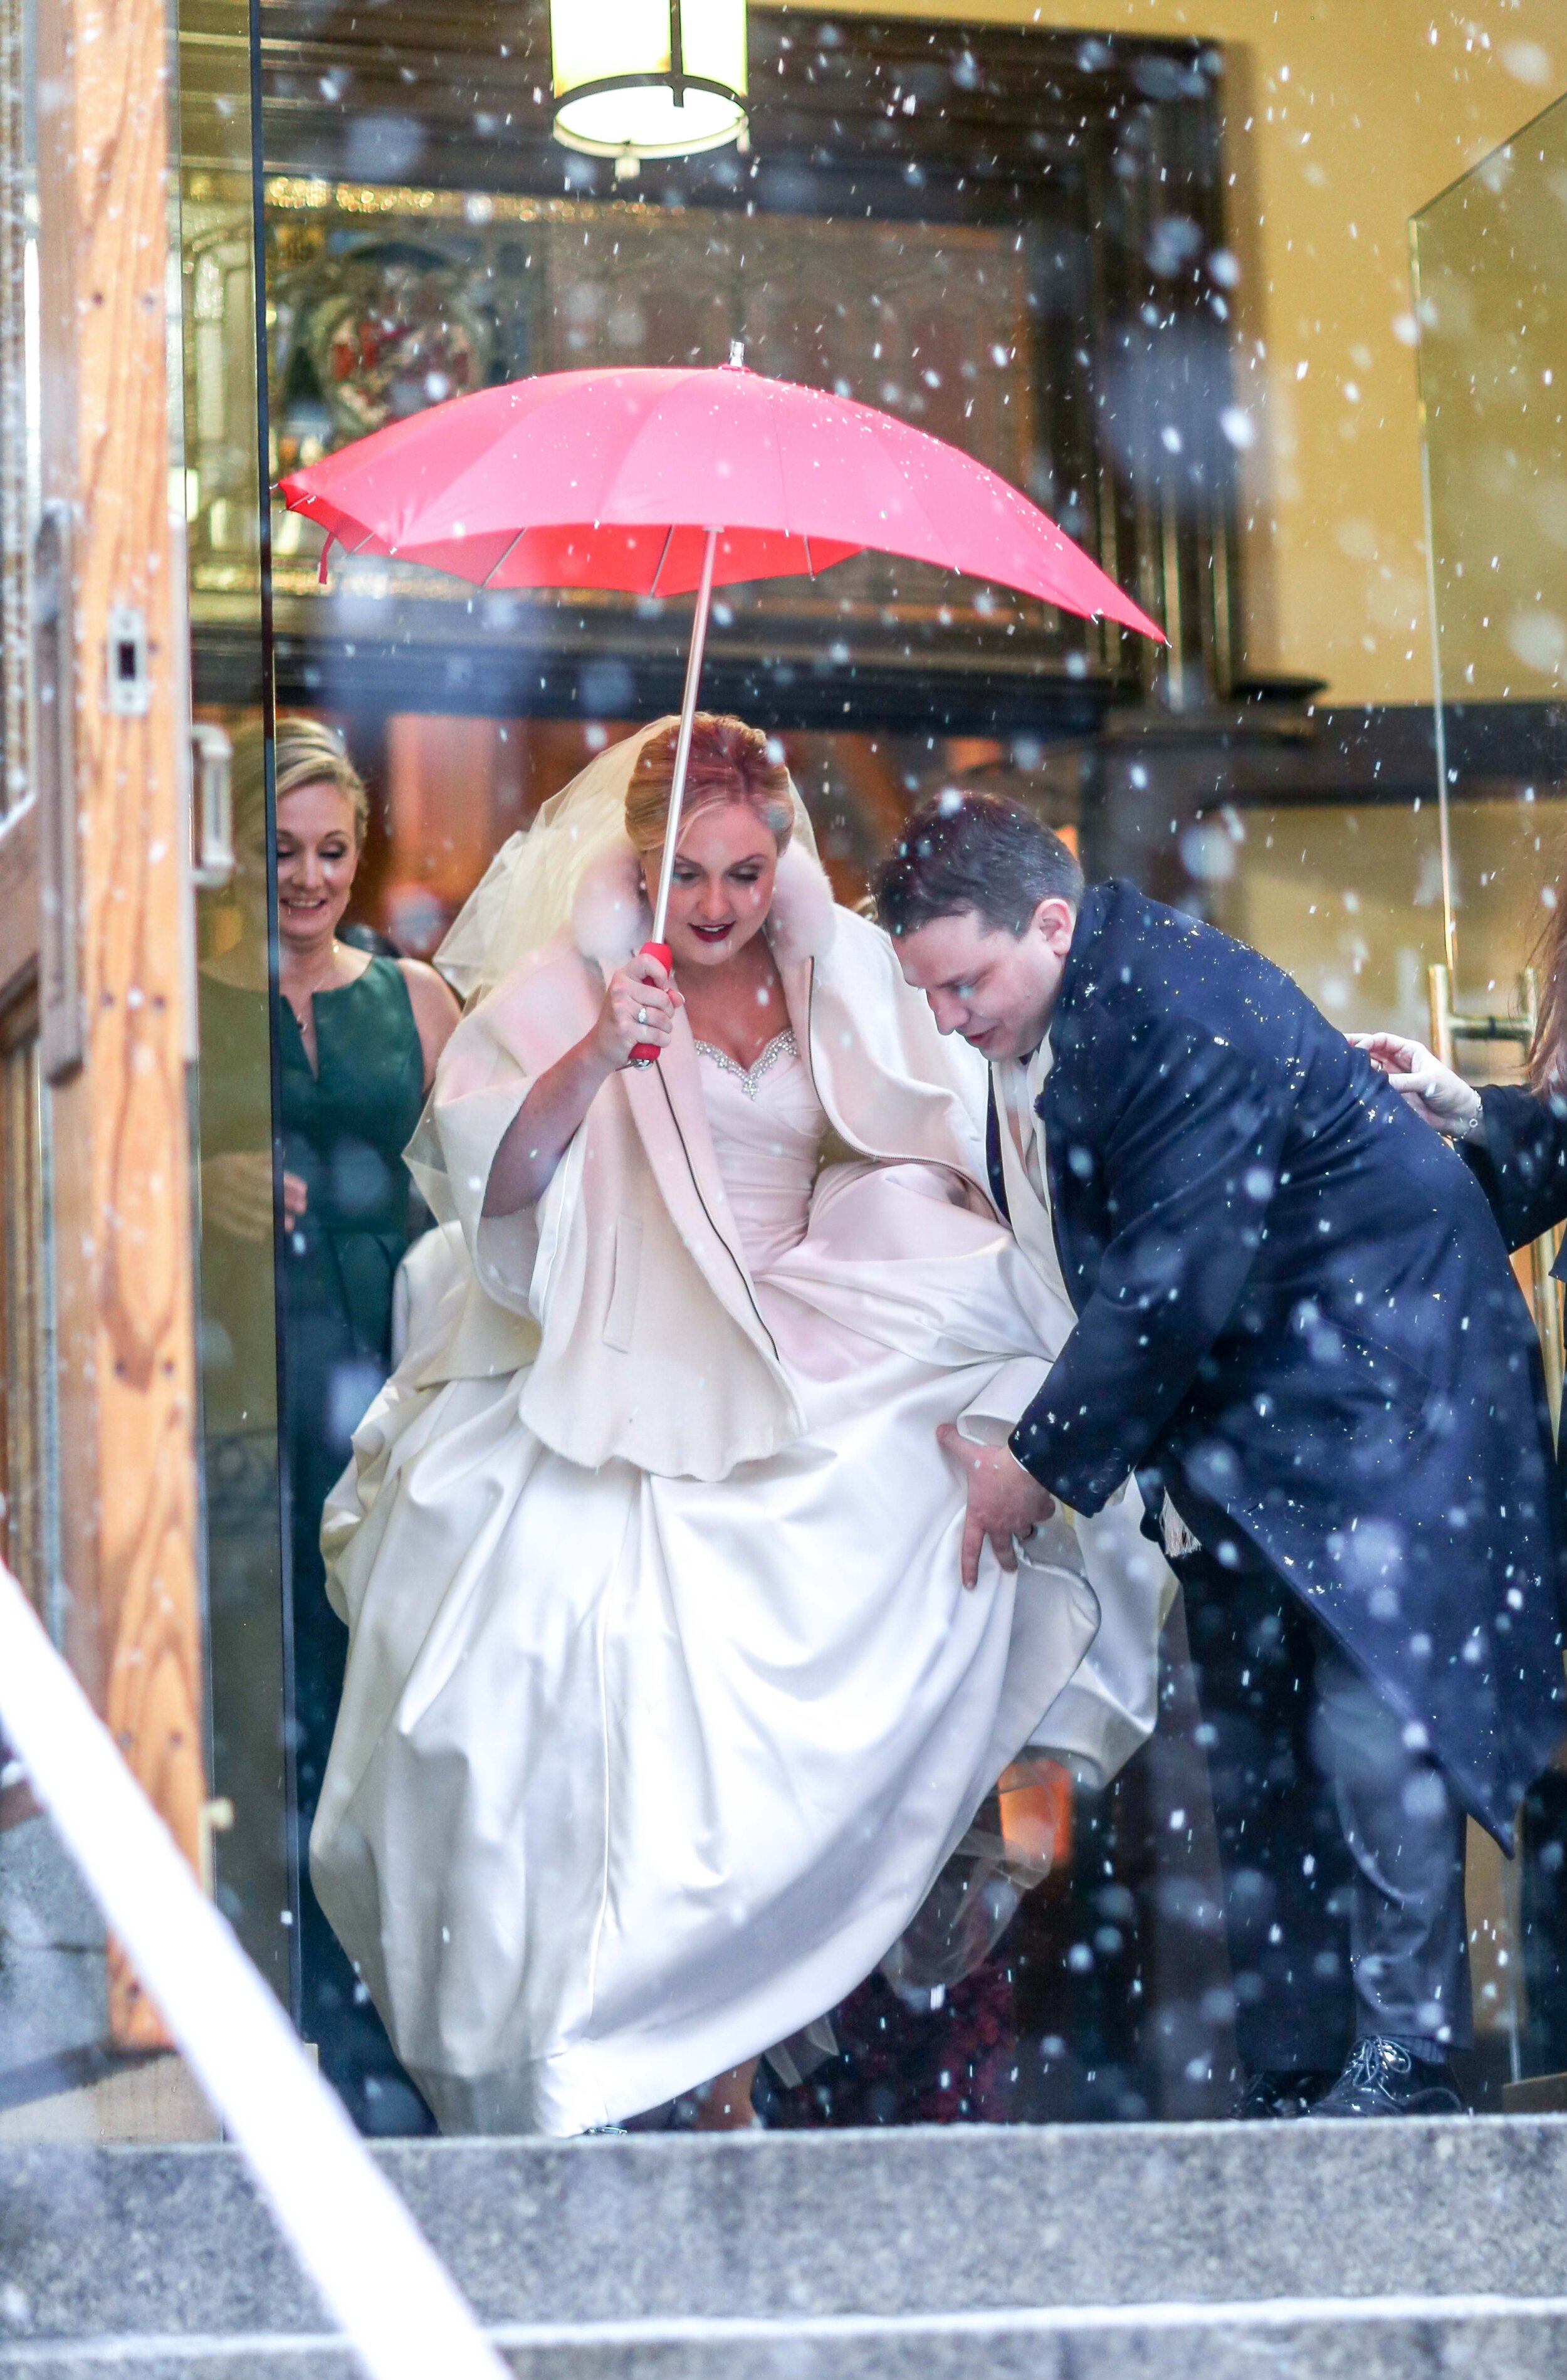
x: 408, y: 262
x: 416, y: 246
x: 1490, y: 260
x: 255, y: 1857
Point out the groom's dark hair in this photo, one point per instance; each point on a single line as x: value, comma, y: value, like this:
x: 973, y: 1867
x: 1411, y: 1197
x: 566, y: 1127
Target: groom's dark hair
x: 973, y: 851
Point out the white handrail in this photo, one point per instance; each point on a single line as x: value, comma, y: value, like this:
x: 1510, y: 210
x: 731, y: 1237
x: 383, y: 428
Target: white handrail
x: 400, y: 2310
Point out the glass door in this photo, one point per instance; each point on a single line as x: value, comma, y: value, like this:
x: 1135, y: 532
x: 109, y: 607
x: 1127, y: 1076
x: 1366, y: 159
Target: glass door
x: 256, y: 1856
x: 1492, y: 304
x: 374, y: 218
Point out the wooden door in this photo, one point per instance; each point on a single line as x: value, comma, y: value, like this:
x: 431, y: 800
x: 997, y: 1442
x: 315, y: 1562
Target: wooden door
x: 96, y: 1025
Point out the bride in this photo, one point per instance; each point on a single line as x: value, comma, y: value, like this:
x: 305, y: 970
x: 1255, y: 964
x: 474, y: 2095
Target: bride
x: 664, y: 1702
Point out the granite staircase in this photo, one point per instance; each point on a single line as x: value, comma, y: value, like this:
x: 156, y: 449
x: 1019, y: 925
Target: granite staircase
x: 1197, y: 2252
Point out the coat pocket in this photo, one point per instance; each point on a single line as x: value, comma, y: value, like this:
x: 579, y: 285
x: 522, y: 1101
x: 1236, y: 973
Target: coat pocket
x: 620, y: 1322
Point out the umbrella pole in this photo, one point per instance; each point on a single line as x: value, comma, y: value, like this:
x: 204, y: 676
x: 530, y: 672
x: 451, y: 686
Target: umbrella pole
x: 683, y: 742
x: 645, y: 1052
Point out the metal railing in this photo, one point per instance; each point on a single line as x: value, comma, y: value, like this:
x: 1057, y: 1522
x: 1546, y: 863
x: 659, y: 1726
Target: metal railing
x: 401, y: 2313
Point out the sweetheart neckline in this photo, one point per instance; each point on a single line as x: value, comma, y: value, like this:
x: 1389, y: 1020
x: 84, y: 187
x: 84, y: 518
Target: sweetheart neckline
x: 782, y: 1045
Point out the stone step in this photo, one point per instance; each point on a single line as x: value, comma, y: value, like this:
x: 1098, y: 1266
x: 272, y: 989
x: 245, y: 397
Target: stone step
x: 1089, y: 2242
x: 1383, y: 2339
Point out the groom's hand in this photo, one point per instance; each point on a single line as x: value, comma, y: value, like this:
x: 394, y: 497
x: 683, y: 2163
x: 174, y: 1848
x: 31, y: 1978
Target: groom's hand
x: 1004, y: 1500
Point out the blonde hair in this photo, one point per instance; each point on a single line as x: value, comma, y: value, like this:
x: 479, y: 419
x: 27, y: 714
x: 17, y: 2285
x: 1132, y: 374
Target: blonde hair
x: 307, y: 752
x: 729, y: 762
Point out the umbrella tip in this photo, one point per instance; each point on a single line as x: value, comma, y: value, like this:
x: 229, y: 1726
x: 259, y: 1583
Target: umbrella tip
x: 736, y: 354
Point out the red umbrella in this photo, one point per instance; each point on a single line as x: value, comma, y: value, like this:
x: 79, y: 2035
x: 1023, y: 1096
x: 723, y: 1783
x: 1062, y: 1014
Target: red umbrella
x: 655, y: 482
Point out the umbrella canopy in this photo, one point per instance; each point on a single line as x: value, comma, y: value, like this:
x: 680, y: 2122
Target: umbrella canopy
x: 612, y: 479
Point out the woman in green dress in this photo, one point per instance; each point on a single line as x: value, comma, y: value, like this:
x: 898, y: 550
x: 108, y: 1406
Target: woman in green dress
x: 358, y: 1038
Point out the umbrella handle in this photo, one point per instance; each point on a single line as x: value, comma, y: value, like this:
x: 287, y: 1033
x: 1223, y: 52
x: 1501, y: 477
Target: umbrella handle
x: 645, y: 1052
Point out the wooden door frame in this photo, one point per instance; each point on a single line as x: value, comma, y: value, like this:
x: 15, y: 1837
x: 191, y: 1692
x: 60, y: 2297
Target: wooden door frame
x: 127, y: 1394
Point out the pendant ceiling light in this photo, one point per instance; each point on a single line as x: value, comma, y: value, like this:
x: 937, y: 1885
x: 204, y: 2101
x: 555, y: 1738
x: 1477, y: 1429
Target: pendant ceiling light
x: 647, y: 77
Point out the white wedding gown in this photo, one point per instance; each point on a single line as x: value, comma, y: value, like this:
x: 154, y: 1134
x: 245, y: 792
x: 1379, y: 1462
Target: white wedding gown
x: 635, y: 1776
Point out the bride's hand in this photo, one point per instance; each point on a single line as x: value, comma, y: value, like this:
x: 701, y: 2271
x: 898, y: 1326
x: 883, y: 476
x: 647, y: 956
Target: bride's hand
x: 1437, y: 1096
x: 1004, y: 1500
x: 640, y: 1005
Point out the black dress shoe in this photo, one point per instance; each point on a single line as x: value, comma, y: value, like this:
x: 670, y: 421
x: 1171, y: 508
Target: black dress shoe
x: 1383, y: 2078
x: 1280, y: 2094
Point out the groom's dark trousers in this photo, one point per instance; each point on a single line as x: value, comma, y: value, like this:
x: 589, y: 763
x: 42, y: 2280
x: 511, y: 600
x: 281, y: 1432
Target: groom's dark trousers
x: 1296, y: 1320
x: 1341, y: 1846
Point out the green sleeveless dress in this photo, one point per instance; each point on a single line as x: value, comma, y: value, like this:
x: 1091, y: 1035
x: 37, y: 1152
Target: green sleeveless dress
x: 344, y: 1127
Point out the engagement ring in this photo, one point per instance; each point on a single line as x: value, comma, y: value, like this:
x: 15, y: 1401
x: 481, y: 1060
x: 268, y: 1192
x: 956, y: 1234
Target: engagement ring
x: 641, y: 1016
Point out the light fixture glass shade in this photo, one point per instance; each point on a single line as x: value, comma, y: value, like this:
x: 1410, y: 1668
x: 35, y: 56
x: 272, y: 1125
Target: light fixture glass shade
x: 647, y: 77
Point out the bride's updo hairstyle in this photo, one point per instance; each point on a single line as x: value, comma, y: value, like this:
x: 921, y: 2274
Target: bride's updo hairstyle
x: 729, y: 762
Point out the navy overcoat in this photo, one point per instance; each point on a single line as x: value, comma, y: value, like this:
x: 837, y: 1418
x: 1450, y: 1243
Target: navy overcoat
x: 1294, y: 1311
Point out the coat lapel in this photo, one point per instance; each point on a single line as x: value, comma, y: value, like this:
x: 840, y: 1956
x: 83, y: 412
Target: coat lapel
x: 795, y: 975
x: 993, y: 1151
x: 1065, y: 1103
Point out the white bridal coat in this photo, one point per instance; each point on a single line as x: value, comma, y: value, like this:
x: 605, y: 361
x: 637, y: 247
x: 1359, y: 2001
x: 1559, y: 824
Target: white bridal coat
x: 664, y: 1703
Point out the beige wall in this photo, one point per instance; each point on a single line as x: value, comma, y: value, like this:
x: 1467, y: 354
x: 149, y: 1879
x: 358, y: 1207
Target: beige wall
x: 1348, y: 901
x: 1358, y: 117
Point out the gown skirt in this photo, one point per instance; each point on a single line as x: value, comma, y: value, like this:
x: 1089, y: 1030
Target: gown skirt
x: 637, y: 1776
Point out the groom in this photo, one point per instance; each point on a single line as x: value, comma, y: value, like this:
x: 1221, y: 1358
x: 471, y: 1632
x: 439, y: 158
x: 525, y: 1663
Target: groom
x: 1297, y: 1326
